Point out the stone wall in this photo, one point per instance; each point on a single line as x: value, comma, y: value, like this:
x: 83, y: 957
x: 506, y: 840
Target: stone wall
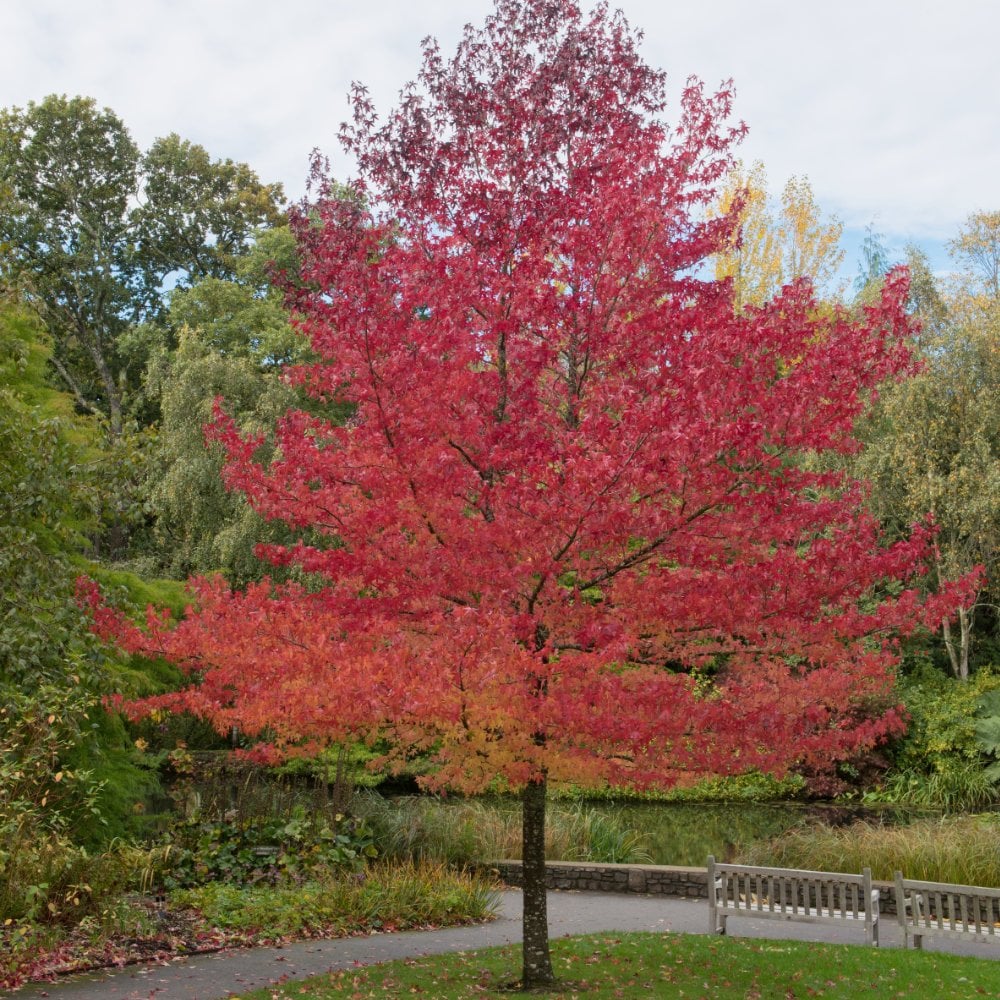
x: 662, y: 880
x: 657, y: 880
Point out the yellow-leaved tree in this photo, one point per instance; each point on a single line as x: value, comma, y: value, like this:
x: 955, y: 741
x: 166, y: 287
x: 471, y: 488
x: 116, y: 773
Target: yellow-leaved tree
x: 777, y: 241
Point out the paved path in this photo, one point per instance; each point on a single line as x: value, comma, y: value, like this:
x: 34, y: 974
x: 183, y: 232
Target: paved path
x: 220, y: 975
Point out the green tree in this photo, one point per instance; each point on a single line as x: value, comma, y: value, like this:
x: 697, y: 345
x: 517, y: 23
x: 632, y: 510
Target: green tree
x: 46, y: 501
x: 873, y: 266
x: 52, y: 671
x: 90, y: 229
x: 233, y: 339
x: 935, y: 445
x: 228, y: 337
x: 977, y: 248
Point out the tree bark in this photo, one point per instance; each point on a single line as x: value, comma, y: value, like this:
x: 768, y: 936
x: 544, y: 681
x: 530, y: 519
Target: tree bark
x: 537, y: 963
x: 958, y: 652
x: 965, y: 626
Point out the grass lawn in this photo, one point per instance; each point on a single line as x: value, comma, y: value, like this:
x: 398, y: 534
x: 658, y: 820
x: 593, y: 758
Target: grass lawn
x: 621, y: 966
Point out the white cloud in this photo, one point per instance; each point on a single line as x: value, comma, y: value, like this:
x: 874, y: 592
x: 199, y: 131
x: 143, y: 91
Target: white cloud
x: 889, y: 106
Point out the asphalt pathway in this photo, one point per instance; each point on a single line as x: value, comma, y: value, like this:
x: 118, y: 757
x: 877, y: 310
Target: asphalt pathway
x: 223, y: 974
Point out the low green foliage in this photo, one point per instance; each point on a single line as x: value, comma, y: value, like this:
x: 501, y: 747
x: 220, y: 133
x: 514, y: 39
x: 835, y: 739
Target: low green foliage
x: 626, y: 966
x: 962, y: 849
x: 40, y: 801
x: 57, y: 882
x: 136, y: 592
x: 383, y: 897
x: 298, y: 846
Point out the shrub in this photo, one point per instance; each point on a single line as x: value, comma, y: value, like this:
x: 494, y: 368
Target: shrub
x: 941, y: 762
x: 44, y: 875
x: 298, y: 846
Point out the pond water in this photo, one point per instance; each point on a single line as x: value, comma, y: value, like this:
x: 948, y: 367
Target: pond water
x: 686, y: 833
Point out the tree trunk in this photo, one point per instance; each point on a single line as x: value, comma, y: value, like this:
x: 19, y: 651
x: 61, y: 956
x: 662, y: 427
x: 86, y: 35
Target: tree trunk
x: 537, y: 963
x: 965, y: 624
x: 958, y: 652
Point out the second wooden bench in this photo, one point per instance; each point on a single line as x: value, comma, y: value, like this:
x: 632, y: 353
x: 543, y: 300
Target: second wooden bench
x: 791, y: 894
x: 946, y: 910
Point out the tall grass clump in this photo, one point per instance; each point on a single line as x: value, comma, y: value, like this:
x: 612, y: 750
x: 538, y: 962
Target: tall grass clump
x: 418, y: 828
x: 471, y: 831
x: 961, y: 786
x: 961, y: 849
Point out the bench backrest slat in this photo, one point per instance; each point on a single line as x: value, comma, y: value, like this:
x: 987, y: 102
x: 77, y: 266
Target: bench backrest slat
x: 791, y: 891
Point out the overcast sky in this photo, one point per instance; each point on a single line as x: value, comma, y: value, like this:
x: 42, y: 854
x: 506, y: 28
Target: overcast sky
x: 890, y: 107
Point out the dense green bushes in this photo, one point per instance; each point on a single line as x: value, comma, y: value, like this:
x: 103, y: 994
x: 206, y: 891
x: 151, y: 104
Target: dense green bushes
x: 272, y: 850
x: 942, y: 762
x: 41, y: 802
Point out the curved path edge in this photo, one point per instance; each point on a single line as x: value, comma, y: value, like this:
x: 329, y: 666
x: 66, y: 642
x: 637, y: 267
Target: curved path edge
x: 222, y: 974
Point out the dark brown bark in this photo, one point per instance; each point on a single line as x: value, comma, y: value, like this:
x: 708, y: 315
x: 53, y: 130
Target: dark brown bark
x: 537, y: 963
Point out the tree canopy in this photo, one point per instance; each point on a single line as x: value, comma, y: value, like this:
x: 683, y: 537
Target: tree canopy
x: 568, y: 532
x: 231, y: 338
x: 935, y: 445
x: 91, y: 228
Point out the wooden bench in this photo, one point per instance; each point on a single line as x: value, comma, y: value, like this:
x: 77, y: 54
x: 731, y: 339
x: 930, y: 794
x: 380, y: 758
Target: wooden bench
x: 790, y: 894
x: 940, y: 908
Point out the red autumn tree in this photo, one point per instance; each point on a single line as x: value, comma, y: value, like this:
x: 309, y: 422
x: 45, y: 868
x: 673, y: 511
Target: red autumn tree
x: 576, y: 528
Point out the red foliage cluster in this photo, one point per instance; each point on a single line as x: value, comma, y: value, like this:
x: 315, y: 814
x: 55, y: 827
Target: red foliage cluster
x: 578, y: 524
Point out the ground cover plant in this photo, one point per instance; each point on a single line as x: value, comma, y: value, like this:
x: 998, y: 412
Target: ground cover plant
x: 384, y: 897
x: 572, y: 529
x: 625, y: 966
